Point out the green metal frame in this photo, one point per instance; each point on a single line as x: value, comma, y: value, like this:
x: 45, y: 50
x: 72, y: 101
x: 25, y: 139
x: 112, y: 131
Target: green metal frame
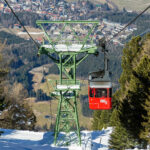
x: 67, y: 86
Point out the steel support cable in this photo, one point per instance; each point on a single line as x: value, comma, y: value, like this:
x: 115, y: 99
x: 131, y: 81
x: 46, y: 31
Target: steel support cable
x: 132, y: 21
x: 104, y: 39
x: 21, y: 24
x: 29, y: 36
x: 107, y: 42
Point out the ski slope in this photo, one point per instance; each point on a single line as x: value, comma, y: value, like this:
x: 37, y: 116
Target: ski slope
x: 29, y: 140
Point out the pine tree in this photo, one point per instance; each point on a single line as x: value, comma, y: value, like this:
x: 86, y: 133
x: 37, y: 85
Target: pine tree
x: 96, y: 118
x: 18, y: 115
x: 132, y: 100
x: 114, y: 118
x: 3, y: 73
x: 129, y: 53
x: 101, y: 119
x: 120, y: 139
x: 144, y: 76
x: 137, y: 94
x: 104, y: 119
x: 145, y: 133
x: 130, y: 108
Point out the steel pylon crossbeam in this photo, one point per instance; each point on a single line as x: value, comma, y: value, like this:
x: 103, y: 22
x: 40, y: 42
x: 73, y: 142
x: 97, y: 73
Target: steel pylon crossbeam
x: 67, y: 86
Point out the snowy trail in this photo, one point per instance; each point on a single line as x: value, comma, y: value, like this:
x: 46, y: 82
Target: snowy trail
x: 29, y: 140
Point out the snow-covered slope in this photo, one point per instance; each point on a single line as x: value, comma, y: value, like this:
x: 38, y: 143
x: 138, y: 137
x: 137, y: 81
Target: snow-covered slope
x: 29, y: 140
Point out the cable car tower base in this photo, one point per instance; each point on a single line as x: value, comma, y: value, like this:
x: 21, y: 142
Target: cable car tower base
x: 67, y: 114
x: 67, y: 87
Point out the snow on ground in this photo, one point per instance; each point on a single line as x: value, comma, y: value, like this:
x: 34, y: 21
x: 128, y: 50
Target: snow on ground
x: 29, y: 140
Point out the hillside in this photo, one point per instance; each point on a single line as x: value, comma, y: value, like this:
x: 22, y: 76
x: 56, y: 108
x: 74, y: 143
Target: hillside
x: 131, y: 5
x: 135, y: 5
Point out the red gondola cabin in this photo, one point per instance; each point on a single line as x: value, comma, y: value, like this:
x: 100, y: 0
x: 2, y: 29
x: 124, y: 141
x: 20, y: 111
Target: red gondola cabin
x: 100, y: 93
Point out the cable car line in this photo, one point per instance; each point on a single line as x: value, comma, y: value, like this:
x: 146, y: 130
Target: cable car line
x: 100, y: 85
x: 21, y: 24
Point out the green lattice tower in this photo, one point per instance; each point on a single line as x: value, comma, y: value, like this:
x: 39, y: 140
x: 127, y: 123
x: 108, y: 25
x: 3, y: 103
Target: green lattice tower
x: 67, y: 60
